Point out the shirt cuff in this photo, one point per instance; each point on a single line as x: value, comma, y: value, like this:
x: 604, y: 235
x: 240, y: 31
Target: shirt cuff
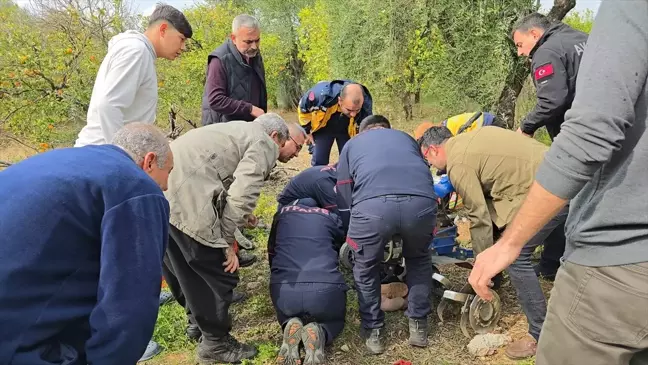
x: 557, y: 181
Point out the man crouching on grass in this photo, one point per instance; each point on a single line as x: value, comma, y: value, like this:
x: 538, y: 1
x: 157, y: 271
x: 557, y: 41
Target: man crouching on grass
x: 305, y: 283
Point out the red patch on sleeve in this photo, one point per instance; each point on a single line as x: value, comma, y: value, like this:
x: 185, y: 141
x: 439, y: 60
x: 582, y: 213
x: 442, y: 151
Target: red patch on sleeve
x: 311, y: 96
x: 543, y: 71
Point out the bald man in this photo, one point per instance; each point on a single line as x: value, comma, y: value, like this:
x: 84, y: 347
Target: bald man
x: 332, y: 111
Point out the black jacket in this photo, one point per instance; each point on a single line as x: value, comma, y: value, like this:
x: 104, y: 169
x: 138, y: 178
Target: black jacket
x: 554, y: 62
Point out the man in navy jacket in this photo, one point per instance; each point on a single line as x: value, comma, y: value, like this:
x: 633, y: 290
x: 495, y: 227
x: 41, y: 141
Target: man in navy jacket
x: 385, y: 188
x: 317, y: 183
x: 307, y: 289
x: 83, y: 236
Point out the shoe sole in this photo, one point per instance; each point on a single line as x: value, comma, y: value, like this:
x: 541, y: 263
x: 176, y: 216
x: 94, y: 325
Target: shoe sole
x: 418, y: 344
x: 312, y: 345
x: 292, y: 336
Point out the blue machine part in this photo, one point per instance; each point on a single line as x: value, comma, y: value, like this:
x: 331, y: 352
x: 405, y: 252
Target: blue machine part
x: 444, y: 187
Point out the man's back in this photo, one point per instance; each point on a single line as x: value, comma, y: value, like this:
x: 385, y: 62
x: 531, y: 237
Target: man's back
x: 302, y: 246
x: 49, y: 276
x: 504, y: 163
x: 317, y: 182
x: 384, y: 162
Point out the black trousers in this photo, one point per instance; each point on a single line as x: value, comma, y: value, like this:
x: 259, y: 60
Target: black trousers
x: 197, y: 278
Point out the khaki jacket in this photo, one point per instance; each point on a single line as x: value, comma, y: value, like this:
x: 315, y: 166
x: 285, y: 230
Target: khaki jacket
x: 492, y: 169
x: 218, y: 173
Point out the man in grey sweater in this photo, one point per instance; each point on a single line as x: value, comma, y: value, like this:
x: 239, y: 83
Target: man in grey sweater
x: 598, y: 311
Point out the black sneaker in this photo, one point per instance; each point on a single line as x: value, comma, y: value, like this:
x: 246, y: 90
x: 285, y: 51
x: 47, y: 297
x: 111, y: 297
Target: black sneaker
x: 193, y: 332
x: 225, y: 350
x: 314, y: 341
x: 238, y: 297
x: 418, y: 332
x: 374, y: 340
x: 544, y: 273
x: 292, y: 336
x: 246, y: 259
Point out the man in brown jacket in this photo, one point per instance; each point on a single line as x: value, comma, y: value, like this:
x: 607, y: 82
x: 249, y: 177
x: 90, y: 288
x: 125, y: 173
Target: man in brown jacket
x: 492, y: 170
x: 218, y: 175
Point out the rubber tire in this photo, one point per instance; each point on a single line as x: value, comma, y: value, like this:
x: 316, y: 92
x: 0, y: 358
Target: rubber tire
x: 346, y: 256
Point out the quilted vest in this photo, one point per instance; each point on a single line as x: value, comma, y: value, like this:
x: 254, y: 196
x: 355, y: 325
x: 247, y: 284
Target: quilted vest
x: 239, y: 80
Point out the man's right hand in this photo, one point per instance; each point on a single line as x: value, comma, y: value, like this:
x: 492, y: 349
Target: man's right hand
x: 231, y: 263
x: 257, y: 112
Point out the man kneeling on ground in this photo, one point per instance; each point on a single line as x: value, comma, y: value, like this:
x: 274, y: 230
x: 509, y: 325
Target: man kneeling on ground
x: 305, y: 283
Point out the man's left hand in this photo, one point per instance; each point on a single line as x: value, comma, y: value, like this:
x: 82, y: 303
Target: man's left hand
x: 489, y: 263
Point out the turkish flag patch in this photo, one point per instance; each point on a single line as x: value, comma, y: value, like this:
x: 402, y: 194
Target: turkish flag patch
x: 543, y: 71
x: 311, y: 96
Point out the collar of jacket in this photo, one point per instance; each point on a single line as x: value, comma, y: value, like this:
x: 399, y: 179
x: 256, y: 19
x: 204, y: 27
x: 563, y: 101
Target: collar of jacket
x: 548, y: 33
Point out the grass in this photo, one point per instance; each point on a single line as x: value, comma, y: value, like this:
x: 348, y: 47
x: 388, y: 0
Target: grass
x: 254, y: 320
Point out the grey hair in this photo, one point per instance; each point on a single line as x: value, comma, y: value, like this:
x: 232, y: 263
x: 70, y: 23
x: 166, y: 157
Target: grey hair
x: 138, y: 139
x: 245, y: 21
x: 533, y: 20
x: 296, y: 128
x: 273, y: 122
x: 434, y: 136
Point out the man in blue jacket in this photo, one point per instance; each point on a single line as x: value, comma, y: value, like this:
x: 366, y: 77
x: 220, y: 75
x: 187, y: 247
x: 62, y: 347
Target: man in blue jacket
x: 317, y: 182
x: 83, y: 236
x: 306, y: 287
x: 333, y: 110
x: 385, y: 188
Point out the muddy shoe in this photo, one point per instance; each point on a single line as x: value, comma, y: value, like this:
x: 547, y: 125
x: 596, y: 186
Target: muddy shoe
x: 522, y: 348
x: 394, y: 290
x: 225, y: 350
x: 246, y: 259
x: 292, y: 336
x: 418, y: 331
x: 314, y: 341
x: 374, y: 341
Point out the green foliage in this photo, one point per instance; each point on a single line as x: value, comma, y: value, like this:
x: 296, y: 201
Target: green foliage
x: 314, y: 41
x: 170, y: 328
x: 581, y: 21
x: 266, y: 355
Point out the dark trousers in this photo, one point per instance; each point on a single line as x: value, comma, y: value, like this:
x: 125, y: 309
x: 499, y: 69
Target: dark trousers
x: 322, y: 303
x: 323, y: 140
x: 525, y: 281
x: 197, y: 278
x: 373, y: 223
x: 554, y: 248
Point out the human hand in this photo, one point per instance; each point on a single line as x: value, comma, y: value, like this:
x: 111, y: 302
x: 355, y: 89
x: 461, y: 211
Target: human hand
x: 489, y: 263
x: 252, y: 221
x: 256, y: 112
x: 232, y: 262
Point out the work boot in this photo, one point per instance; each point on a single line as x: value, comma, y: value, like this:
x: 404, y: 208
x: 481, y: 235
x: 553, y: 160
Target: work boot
x: 193, y: 332
x: 225, y: 350
x: 292, y: 336
x: 314, y: 341
x: 246, y: 259
x: 238, y: 297
x: 418, y: 331
x: 522, y: 348
x: 374, y: 340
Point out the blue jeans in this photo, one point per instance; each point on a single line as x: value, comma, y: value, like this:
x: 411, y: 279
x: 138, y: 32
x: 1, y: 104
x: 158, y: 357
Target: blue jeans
x: 322, y: 303
x: 373, y: 223
x: 525, y: 281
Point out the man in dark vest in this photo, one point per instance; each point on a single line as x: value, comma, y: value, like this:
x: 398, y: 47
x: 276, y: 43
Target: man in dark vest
x: 235, y: 87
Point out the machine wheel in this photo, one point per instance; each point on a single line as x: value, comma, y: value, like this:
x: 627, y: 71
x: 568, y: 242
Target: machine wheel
x: 346, y: 256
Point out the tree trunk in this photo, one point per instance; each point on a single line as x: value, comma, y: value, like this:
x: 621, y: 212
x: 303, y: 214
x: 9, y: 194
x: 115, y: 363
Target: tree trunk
x: 505, y: 109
